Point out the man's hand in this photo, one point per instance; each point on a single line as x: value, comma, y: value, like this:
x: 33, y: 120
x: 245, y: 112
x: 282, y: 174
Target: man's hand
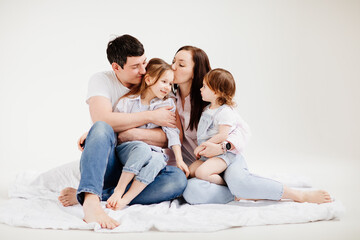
x: 210, y: 149
x: 164, y: 117
x: 81, y: 141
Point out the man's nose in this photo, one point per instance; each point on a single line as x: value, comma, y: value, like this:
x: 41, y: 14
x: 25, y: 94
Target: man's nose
x: 142, y: 69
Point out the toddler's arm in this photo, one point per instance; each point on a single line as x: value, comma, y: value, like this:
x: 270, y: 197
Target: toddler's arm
x: 222, y: 135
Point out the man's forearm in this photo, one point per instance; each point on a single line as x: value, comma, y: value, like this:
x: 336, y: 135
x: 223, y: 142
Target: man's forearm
x: 154, y: 136
x: 124, y: 121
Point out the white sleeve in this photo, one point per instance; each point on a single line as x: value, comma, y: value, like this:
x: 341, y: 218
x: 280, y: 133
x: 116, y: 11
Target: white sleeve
x: 121, y: 105
x: 172, y: 134
x: 226, y: 117
x: 98, y: 86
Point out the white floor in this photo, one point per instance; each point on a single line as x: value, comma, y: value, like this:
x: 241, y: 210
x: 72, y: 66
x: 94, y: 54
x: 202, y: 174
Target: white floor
x: 339, y: 176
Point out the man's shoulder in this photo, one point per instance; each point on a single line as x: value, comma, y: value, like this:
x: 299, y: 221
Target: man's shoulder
x: 104, y: 76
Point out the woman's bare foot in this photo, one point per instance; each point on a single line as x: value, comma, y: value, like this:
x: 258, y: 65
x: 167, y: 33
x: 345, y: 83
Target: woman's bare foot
x: 93, y: 212
x: 315, y: 196
x: 68, y: 197
x: 239, y: 199
x: 115, y: 202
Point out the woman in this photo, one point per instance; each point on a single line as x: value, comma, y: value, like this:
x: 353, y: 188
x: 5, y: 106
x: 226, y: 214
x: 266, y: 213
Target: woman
x: 190, y: 65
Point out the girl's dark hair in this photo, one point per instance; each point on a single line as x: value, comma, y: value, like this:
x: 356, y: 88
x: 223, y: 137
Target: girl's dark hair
x: 201, y: 67
x: 222, y: 83
x: 122, y: 47
x: 155, y: 68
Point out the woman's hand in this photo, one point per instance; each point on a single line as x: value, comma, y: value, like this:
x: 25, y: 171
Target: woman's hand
x: 210, y: 149
x: 183, y: 167
x: 81, y: 141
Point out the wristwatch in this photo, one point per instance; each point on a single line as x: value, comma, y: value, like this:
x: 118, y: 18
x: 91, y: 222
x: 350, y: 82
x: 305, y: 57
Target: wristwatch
x: 226, y: 146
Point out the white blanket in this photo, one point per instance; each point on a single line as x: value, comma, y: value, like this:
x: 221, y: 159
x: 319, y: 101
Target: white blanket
x: 33, y: 203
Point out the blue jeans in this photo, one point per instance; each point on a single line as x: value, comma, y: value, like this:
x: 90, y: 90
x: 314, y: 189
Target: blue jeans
x: 137, y: 157
x: 100, y: 170
x: 240, y: 183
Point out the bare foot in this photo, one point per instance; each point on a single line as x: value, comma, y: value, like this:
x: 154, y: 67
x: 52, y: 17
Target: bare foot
x: 317, y: 196
x: 115, y: 202
x: 68, y: 197
x: 93, y: 212
x: 239, y: 199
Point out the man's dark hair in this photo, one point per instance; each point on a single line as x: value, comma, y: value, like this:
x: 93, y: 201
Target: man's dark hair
x: 122, y: 47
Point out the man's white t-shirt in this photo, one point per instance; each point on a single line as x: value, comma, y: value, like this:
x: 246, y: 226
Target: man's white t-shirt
x: 107, y: 85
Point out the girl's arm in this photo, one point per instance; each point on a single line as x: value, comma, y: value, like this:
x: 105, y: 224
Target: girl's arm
x: 179, y: 160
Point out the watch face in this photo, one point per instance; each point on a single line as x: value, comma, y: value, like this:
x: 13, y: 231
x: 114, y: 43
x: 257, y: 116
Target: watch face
x: 228, y: 146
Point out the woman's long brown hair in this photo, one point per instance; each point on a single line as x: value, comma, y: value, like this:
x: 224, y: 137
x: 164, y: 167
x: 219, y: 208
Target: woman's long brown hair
x: 201, y: 67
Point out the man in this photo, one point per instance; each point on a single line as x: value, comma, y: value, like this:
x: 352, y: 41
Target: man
x: 100, y: 169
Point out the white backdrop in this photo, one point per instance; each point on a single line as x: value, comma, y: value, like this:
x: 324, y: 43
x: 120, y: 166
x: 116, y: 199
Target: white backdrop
x: 296, y: 64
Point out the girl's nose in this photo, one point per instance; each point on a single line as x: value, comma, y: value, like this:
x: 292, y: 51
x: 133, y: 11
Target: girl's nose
x: 173, y: 67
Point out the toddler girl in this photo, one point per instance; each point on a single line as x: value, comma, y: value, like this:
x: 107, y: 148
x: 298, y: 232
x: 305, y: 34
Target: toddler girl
x: 217, y: 121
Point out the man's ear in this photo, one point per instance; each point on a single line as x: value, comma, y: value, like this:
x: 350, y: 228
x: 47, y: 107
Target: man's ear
x: 115, y: 66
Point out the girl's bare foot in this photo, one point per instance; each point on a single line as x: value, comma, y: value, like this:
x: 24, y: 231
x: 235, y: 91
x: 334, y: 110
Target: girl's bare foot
x: 68, y: 197
x: 93, y: 212
x: 115, y: 202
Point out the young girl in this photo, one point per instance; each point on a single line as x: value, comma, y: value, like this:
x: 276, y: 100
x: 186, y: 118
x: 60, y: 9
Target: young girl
x: 217, y: 121
x: 141, y: 160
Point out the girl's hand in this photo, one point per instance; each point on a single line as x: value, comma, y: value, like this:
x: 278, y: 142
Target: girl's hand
x: 81, y: 141
x: 198, y: 149
x: 183, y: 167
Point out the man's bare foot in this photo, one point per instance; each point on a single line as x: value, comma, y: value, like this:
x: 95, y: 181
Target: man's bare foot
x: 68, y: 197
x: 115, y: 202
x: 93, y: 212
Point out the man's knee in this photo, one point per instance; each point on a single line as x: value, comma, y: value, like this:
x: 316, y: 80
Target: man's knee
x: 101, y: 129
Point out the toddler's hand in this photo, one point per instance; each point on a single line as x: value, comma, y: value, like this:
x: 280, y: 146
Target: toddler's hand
x: 198, y: 149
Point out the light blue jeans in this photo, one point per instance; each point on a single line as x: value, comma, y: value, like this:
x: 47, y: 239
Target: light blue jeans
x: 240, y: 183
x: 100, y: 170
x: 137, y: 157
